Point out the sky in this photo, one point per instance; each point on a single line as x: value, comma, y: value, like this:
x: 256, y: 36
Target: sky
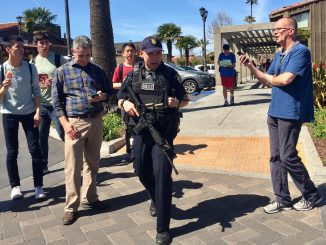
x: 135, y: 19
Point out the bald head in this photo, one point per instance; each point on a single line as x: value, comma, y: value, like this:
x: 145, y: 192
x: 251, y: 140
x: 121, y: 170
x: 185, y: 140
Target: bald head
x: 289, y: 22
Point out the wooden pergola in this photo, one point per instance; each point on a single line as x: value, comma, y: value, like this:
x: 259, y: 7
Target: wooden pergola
x: 252, y: 39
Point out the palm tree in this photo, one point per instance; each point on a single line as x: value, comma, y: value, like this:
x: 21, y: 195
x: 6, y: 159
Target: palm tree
x: 249, y: 19
x: 202, y: 44
x: 103, y: 51
x: 38, y: 19
x: 251, y: 2
x: 187, y: 43
x: 179, y: 45
x: 168, y: 33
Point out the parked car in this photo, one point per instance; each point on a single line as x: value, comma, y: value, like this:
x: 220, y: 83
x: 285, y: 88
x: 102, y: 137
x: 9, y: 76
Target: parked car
x: 212, y: 76
x: 192, y: 81
x: 210, y: 68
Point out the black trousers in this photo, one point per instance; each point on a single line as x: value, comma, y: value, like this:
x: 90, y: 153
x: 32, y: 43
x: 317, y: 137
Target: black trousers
x: 10, y: 127
x: 284, y: 159
x: 154, y: 173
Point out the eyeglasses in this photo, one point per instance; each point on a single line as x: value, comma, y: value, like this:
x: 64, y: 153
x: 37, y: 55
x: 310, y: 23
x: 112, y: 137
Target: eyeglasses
x: 280, y: 29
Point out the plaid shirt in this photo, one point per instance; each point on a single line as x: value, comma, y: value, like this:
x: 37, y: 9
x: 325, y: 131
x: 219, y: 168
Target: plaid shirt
x: 73, y: 85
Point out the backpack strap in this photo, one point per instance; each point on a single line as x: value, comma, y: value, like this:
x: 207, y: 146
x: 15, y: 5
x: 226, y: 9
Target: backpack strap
x: 121, y: 72
x: 136, y: 75
x: 30, y: 71
x: 2, y: 72
x: 57, y: 61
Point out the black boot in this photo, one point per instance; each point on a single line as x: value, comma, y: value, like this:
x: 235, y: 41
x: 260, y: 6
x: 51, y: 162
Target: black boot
x: 163, y: 238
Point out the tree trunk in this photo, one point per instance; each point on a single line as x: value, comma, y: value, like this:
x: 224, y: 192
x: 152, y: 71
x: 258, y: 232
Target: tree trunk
x: 187, y: 56
x: 103, y: 51
x: 251, y: 12
x: 169, y: 45
x: 180, y: 50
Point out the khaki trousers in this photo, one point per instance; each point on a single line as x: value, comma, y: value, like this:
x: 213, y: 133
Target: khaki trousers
x: 86, y: 147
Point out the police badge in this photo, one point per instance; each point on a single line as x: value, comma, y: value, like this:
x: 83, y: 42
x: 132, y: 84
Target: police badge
x: 147, y: 86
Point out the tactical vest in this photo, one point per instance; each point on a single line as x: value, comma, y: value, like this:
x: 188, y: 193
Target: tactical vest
x: 152, y: 87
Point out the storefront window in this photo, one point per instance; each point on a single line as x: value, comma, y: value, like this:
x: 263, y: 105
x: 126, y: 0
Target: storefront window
x: 302, y: 19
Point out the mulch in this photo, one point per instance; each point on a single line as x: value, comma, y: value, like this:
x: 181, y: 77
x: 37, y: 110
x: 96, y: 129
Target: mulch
x: 320, y: 145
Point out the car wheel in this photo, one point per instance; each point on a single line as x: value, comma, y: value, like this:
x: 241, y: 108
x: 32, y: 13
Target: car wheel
x: 190, y: 86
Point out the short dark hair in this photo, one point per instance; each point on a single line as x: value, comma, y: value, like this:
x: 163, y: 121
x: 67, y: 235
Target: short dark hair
x: 11, y: 41
x: 226, y: 46
x: 40, y: 36
x: 128, y: 45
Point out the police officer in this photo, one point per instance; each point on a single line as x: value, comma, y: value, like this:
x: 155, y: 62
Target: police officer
x: 158, y: 85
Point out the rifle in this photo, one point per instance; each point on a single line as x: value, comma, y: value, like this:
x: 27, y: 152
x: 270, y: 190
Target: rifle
x: 146, y: 121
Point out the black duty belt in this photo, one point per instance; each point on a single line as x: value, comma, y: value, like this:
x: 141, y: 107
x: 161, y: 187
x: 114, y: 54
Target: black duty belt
x: 87, y: 115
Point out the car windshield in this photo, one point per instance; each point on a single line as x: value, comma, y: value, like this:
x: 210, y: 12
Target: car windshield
x: 178, y: 68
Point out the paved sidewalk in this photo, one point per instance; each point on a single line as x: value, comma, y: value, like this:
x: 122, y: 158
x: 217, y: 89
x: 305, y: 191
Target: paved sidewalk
x: 214, y: 201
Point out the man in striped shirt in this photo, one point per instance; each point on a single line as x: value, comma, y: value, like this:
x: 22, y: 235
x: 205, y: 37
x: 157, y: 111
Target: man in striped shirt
x: 79, y: 89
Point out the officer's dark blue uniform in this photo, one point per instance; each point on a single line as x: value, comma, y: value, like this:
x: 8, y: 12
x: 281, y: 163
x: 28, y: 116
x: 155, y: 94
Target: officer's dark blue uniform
x: 151, y: 165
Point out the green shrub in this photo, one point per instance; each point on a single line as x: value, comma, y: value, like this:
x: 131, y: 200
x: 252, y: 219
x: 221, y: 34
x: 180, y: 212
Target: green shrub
x: 319, y: 126
x: 113, y: 126
x: 319, y: 77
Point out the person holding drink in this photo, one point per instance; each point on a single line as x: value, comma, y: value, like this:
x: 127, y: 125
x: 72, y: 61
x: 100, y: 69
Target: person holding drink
x: 20, y: 95
x: 46, y: 63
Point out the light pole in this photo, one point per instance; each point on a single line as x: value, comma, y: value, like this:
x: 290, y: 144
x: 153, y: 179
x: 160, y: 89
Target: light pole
x: 67, y: 29
x: 19, y: 21
x: 203, y: 13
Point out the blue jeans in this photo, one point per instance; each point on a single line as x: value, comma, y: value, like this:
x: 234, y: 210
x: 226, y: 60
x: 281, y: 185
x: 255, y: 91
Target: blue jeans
x: 10, y: 128
x: 47, y: 116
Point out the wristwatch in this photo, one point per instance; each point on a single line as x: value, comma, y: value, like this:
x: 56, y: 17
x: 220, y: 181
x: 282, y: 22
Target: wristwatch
x: 121, y: 103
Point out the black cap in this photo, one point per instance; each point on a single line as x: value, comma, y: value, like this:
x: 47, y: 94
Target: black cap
x: 150, y: 44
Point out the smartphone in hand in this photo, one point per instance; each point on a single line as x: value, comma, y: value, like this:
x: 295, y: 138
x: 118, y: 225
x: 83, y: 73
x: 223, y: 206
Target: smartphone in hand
x: 94, y: 95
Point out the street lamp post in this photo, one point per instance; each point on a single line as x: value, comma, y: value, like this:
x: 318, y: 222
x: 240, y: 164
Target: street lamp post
x: 203, y: 13
x: 68, y: 29
x: 19, y: 21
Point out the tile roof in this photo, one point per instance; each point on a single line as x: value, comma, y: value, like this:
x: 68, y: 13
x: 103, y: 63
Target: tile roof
x: 4, y: 26
x: 293, y: 6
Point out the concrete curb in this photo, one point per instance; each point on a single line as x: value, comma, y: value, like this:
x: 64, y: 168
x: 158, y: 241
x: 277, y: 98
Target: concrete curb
x: 315, y: 167
x: 112, y: 146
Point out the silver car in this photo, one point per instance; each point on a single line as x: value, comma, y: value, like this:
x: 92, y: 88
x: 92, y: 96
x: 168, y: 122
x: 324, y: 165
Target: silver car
x: 192, y: 81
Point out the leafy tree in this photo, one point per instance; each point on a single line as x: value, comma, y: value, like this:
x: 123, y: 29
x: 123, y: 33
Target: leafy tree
x: 169, y: 33
x: 38, y: 19
x: 251, y: 2
x: 249, y: 19
x: 103, y: 51
x: 221, y: 19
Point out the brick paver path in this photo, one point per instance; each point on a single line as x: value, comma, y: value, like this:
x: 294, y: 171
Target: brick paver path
x: 208, y: 208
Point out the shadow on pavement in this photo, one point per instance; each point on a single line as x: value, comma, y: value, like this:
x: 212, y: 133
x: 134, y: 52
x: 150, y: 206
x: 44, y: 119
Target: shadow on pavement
x: 222, y: 210
x: 253, y: 102
x: 322, y: 191
x: 258, y: 94
x: 103, y: 176
x: 180, y: 185
x: 182, y: 148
